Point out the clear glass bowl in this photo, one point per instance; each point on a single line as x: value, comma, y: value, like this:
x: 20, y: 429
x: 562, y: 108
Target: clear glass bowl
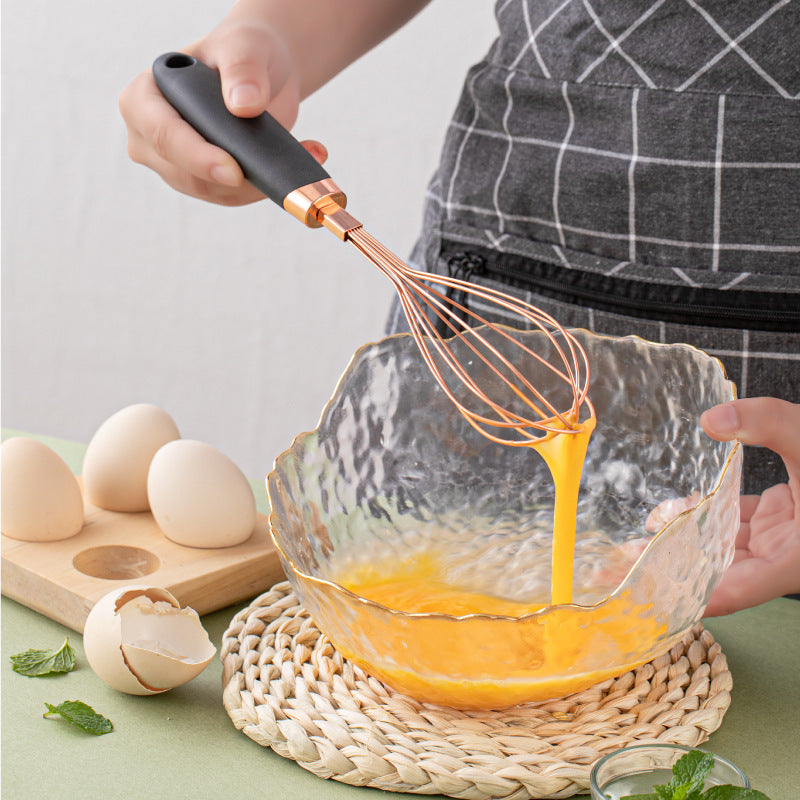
x: 636, y: 769
x: 393, y: 473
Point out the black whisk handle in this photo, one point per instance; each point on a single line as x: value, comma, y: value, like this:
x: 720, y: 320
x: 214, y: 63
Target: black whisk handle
x: 270, y: 157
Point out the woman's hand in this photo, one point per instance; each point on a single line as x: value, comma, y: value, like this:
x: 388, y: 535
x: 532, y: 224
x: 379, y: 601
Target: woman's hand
x: 767, y: 559
x: 257, y: 74
x: 270, y: 55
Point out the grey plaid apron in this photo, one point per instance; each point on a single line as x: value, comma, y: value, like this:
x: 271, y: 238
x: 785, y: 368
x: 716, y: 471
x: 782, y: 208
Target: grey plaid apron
x: 634, y: 168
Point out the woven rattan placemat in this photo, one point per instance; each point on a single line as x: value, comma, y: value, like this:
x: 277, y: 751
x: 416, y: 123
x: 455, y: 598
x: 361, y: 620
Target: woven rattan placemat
x: 286, y: 687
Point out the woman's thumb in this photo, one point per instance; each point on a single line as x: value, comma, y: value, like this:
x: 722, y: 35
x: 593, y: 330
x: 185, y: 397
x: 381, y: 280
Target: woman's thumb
x: 765, y: 421
x: 246, y: 86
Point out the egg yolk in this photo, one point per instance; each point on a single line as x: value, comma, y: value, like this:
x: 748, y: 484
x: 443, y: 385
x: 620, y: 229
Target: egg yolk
x: 503, y: 654
x: 532, y: 657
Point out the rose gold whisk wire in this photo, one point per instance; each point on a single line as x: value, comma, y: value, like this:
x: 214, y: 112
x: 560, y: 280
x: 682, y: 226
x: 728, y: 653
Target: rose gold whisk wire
x: 416, y: 294
x: 412, y: 287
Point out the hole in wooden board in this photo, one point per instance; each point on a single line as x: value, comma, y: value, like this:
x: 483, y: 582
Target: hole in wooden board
x: 116, y: 562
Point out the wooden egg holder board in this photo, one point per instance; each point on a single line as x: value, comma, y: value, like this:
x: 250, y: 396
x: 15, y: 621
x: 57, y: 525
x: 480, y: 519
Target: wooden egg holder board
x: 64, y: 579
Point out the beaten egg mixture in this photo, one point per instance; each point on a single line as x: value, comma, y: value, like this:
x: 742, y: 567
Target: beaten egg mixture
x: 536, y: 655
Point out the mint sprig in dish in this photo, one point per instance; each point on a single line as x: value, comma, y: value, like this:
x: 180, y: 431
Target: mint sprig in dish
x: 688, y: 776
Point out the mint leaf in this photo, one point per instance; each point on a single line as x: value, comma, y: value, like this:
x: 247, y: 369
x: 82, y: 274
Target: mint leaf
x: 726, y: 792
x: 81, y: 715
x: 689, y: 774
x: 36, y: 663
x: 733, y: 793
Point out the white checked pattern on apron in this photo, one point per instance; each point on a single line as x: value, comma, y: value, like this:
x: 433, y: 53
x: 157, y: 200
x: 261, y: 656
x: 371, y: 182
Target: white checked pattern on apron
x: 635, y: 168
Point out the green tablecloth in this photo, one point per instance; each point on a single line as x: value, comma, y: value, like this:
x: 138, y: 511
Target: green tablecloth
x: 182, y: 744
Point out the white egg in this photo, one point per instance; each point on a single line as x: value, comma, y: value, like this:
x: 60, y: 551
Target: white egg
x: 41, y: 499
x: 118, y: 456
x: 140, y: 641
x: 199, y: 497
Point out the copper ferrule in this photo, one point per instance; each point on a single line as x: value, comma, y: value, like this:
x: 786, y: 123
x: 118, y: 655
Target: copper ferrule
x: 320, y: 204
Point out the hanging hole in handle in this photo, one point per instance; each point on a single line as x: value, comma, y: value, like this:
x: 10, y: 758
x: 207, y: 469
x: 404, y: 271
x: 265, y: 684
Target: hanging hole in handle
x: 179, y: 61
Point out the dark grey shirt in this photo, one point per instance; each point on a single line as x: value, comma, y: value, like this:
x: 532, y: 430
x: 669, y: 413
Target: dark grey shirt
x: 634, y: 167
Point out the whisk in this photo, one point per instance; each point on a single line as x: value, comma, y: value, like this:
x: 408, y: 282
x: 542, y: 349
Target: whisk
x: 279, y: 166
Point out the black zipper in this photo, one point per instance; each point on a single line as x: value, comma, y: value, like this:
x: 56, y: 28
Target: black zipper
x: 462, y: 266
x: 688, y: 305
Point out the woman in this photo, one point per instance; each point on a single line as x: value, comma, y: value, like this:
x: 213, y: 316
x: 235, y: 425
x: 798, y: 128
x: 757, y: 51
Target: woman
x: 628, y: 169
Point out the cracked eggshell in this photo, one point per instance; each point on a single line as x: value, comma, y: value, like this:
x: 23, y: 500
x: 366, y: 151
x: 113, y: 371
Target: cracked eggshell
x: 41, y: 499
x: 118, y: 457
x: 139, y: 640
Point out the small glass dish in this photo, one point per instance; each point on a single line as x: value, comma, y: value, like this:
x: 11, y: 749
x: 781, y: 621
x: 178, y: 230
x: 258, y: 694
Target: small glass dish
x: 637, y: 769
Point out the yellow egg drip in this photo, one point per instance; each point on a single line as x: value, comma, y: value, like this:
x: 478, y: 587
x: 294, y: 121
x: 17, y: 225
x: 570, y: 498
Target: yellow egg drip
x: 564, y: 455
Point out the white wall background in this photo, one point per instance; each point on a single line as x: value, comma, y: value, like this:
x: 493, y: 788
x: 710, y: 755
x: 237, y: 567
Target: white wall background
x: 116, y: 289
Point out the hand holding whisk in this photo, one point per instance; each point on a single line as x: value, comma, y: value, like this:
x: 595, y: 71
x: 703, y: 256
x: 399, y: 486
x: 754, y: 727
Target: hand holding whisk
x: 512, y: 411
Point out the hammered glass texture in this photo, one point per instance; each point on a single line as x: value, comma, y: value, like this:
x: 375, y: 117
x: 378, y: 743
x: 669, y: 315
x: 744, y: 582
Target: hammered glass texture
x: 394, y: 470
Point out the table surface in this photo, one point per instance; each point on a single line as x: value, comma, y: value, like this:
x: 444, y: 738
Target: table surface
x: 182, y: 744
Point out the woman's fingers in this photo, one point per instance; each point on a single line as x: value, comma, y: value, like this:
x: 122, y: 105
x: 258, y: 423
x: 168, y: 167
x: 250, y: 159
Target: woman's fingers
x: 157, y: 134
x: 256, y: 75
x: 317, y: 149
x: 752, y: 581
x: 160, y: 139
x: 765, y: 421
x: 253, y: 66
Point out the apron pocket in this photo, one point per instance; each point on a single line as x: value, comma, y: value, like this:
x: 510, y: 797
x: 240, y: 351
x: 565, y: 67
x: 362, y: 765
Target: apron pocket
x: 667, y: 302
